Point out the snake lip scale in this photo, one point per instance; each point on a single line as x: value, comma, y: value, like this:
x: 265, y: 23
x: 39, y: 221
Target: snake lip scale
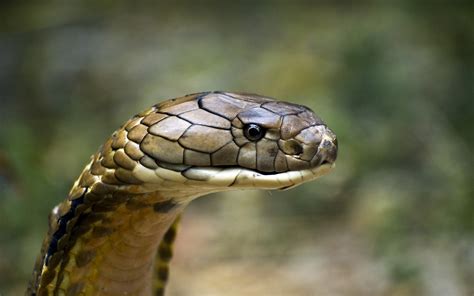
x: 114, y: 233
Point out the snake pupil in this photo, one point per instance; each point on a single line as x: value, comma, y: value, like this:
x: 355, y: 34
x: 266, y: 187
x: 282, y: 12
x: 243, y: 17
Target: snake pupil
x: 254, y: 132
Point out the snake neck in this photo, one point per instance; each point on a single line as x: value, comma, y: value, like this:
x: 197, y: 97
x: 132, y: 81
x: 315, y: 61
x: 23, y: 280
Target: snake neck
x: 103, y: 240
x: 117, y: 256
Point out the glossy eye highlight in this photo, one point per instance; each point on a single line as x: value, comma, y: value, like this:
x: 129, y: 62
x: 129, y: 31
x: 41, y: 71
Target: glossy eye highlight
x: 254, y: 132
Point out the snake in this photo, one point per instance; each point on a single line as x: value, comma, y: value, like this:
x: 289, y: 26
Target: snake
x: 114, y: 233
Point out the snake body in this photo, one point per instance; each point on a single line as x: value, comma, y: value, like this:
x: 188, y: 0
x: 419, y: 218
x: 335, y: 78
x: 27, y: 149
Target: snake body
x: 119, y: 219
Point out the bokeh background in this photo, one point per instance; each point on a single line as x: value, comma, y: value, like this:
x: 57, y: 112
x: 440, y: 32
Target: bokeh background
x: 395, y: 82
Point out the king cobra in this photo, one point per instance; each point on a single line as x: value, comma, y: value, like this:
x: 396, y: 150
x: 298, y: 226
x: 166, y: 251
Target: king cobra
x: 113, y: 235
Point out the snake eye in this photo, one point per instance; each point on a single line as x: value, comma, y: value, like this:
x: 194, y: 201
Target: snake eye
x: 253, y: 132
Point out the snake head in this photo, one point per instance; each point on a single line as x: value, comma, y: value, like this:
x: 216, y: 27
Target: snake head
x: 218, y: 141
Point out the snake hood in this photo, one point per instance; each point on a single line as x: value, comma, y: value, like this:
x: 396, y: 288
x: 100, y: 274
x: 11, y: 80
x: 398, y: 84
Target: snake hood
x: 214, y: 140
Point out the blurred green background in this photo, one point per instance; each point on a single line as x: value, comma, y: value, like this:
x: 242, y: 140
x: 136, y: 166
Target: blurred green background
x: 395, y: 82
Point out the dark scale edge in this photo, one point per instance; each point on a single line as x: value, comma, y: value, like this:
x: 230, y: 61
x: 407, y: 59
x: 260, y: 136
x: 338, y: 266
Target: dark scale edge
x: 192, y: 123
x: 164, y: 206
x: 62, y: 224
x: 75, y: 231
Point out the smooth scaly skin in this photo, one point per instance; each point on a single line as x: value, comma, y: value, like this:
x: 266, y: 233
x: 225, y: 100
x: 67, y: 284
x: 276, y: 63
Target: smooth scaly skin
x: 103, y: 239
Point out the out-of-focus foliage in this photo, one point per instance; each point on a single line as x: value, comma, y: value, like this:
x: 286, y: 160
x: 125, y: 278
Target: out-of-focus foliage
x: 395, y: 83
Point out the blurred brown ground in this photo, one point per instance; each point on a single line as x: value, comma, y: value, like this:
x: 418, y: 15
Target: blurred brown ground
x: 395, y: 82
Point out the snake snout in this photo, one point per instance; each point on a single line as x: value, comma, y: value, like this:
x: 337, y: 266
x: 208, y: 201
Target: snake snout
x: 327, y: 150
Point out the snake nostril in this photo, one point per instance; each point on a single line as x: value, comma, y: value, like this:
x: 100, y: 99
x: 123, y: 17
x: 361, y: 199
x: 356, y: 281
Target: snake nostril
x: 291, y: 147
x: 298, y: 149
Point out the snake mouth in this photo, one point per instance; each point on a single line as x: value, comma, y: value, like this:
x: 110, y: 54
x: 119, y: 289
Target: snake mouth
x: 203, y: 180
x: 242, y: 178
x: 308, y: 175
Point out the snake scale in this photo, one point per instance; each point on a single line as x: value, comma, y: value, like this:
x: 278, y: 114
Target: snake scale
x: 113, y: 234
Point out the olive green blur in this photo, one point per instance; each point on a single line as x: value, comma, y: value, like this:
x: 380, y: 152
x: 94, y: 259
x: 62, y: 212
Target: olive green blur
x: 394, y: 82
